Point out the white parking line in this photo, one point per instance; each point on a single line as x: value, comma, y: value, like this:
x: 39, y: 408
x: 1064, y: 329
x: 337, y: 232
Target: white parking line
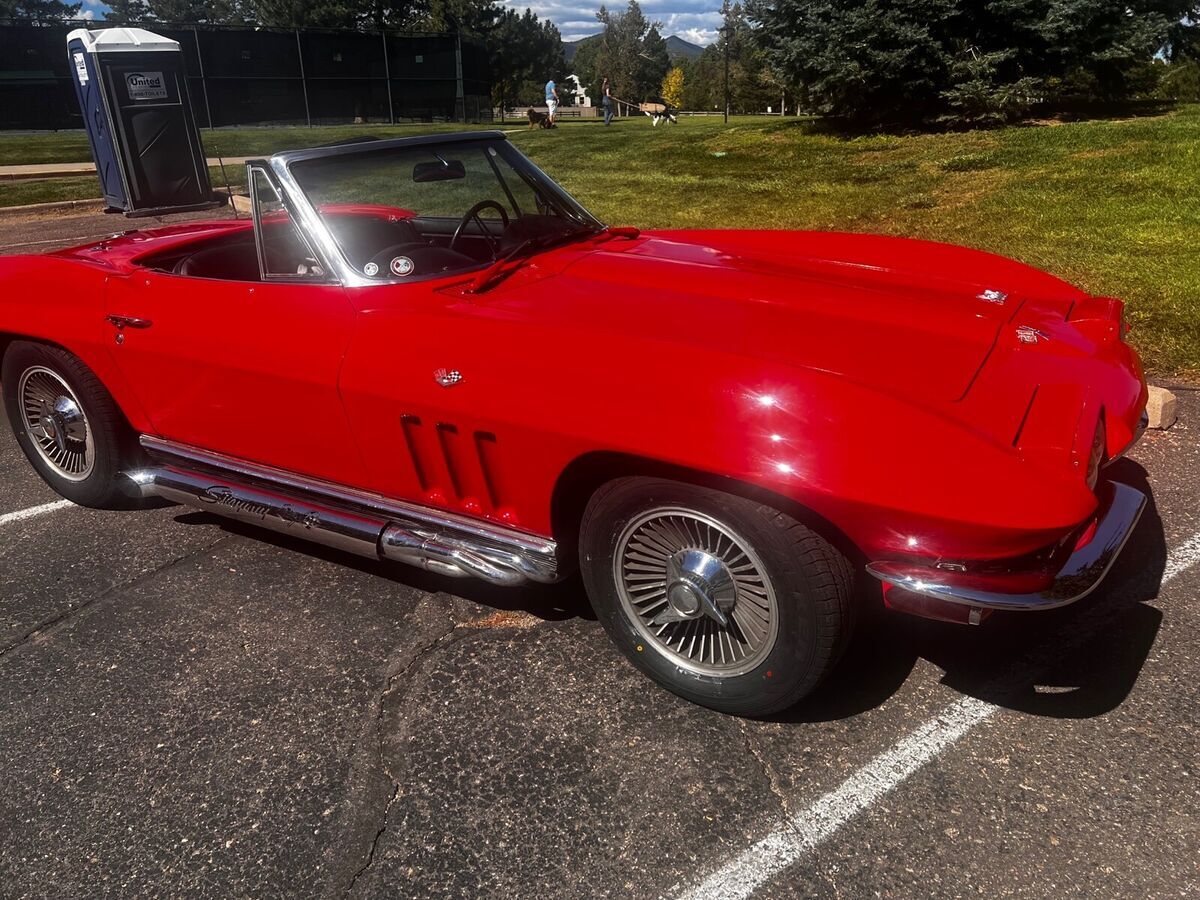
x: 810, y: 828
x: 22, y: 514
x: 1186, y: 556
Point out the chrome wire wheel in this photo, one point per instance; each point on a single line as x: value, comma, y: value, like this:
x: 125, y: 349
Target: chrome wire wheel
x: 56, y: 424
x: 696, y: 591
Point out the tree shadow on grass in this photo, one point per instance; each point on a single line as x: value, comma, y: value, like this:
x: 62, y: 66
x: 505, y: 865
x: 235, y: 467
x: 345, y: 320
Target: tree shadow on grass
x: 850, y: 129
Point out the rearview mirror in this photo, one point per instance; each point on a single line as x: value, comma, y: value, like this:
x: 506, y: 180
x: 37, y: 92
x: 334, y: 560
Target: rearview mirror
x: 439, y: 171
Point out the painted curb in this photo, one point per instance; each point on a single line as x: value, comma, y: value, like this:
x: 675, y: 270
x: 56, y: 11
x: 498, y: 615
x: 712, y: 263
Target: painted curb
x: 76, y: 169
x: 33, y: 209
x: 41, y: 173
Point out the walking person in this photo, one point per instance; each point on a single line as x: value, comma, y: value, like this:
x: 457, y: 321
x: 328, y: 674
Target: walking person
x: 607, y: 100
x: 551, y: 100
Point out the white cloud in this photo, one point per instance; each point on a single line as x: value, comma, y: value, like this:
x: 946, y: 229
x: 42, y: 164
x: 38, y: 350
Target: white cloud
x: 701, y: 36
x: 693, y: 20
x: 699, y: 28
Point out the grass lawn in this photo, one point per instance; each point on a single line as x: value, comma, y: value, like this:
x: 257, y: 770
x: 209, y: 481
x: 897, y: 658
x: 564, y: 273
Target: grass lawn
x: 72, y: 146
x: 1113, y: 206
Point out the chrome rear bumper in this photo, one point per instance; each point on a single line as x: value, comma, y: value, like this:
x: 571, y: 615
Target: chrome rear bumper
x: 1121, y: 507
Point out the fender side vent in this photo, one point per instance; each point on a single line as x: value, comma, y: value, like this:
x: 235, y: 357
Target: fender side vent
x: 464, y: 467
x: 411, y: 426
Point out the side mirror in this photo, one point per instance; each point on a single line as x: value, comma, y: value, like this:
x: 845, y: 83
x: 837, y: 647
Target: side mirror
x: 450, y: 170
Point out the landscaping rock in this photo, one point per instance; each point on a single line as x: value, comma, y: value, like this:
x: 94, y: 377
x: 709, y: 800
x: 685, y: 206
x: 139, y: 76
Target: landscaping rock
x: 1162, y: 408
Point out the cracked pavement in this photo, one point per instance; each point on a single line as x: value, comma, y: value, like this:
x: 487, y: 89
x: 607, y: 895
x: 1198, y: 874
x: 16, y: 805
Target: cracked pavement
x: 190, y: 707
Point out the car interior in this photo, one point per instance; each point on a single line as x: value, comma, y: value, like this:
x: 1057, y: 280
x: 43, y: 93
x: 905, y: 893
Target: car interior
x: 234, y: 257
x: 429, y: 242
x: 378, y: 240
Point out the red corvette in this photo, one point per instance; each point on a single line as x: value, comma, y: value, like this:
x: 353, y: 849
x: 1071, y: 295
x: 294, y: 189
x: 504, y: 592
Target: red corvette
x: 424, y: 350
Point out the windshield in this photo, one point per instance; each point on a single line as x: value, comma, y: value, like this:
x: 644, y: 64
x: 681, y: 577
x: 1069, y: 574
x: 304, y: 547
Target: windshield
x: 404, y: 213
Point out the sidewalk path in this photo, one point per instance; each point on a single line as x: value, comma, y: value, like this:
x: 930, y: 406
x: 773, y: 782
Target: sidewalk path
x: 62, y: 170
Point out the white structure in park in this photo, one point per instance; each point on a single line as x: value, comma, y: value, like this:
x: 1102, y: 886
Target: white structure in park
x: 581, y: 97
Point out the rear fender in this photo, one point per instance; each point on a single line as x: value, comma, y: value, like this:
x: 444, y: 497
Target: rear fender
x: 61, y: 302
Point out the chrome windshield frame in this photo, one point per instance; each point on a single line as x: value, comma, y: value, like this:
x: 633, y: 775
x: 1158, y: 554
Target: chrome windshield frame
x: 321, y: 238
x: 294, y: 209
x: 314, y: 227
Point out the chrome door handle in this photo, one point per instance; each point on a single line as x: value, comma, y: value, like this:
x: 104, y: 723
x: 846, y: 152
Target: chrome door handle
x: 128, y: 322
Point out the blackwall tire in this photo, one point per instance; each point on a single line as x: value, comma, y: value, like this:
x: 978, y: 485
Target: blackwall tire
x: 785, y: 594
x: 80, y: 450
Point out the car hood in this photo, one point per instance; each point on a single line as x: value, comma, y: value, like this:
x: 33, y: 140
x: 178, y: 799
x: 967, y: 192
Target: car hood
x: 903, y: 316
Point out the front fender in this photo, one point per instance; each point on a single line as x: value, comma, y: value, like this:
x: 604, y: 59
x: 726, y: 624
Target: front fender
x: 894, y: 477
x: 534, y: 398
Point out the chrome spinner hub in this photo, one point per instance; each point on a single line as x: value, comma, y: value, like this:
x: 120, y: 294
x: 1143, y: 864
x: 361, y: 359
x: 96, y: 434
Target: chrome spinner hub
x: 695, y: 591
x: 698, y: 584
x: 62, y: 422
x: 56, y: 424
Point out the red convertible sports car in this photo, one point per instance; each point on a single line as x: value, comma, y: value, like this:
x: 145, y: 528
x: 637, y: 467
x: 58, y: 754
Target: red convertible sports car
x: 424, y: 350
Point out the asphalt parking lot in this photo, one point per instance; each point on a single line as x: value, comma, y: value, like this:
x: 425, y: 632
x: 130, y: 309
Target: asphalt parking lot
x: 188, y: 707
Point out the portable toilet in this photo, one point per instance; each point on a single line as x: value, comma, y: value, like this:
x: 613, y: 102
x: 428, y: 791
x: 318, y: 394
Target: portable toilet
x: 132, y: 89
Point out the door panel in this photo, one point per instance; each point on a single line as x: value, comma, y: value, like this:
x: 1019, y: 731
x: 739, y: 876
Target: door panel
x: 247, y: 369
x: 462, y: 444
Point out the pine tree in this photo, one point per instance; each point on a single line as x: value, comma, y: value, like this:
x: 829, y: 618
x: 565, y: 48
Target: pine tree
x: 920, y: 62
x: 630, y: 52
x: 123, y: 11
x: 38, y: 10
x: 525, y: 53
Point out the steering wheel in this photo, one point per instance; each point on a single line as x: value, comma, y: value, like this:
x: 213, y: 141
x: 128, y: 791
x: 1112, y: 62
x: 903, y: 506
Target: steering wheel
x: 473, y: 214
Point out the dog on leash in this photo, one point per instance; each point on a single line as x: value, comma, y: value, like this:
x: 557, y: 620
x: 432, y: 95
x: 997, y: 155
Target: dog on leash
x: 659, y: 112
x: 539, y: 119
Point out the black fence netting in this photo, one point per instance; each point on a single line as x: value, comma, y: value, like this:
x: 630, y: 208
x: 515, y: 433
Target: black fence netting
x: 252, y: 76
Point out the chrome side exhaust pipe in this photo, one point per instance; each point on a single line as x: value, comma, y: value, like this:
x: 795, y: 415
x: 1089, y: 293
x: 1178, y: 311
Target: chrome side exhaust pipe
x: 266, y: 508
x: 444, y: 557
x: 442, y: 546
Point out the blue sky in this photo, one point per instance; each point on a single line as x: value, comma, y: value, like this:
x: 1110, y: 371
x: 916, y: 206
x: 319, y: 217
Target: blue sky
x: 693, y: 20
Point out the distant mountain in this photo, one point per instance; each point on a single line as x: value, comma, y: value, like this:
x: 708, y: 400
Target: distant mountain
x: 570, y: 48
x: 677, y: 48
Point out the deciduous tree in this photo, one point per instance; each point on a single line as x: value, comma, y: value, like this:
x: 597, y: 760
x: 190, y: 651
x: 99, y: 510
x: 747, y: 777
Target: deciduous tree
x: 672, y: 87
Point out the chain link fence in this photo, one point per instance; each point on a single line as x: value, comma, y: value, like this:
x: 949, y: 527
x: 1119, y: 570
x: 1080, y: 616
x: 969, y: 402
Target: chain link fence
x: 260, y: 76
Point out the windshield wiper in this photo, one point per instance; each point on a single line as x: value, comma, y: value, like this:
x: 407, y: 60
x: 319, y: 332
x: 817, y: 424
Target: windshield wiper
x: 508, y: 262
x: 493, y: 273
